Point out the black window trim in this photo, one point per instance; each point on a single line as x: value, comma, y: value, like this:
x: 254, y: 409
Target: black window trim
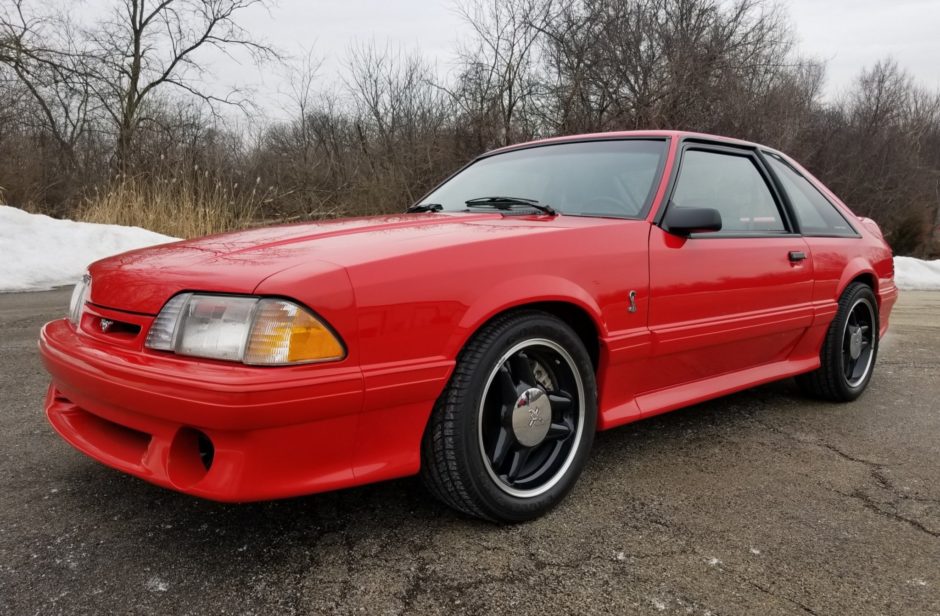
x: 764, y: 153
x: 747, y: 151
x: 650, y: 197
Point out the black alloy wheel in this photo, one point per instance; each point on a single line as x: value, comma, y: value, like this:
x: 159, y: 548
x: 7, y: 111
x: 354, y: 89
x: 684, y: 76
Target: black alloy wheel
x: 510, y: 435
x: 848, y: 354
x: 530, y: 417
x: 858, y: 342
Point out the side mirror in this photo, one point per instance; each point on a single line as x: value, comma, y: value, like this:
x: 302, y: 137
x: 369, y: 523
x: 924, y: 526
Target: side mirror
x: 685, y: 220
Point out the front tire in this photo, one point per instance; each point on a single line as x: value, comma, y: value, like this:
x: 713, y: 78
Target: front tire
x: 510, y: 435
x: 849, y: 351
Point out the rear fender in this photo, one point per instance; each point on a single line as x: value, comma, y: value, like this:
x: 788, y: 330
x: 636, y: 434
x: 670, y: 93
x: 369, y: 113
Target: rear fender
x: 853, y: 269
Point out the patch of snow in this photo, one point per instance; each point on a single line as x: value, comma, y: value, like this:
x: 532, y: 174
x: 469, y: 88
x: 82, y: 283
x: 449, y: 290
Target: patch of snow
x: 916, y: 274
x: 155, y: 584
x: 39, y: 252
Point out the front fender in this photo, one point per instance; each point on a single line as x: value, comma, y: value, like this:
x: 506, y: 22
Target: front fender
x: 518, y: 292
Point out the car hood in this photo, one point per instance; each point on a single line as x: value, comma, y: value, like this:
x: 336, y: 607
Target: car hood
x: 142, y: 280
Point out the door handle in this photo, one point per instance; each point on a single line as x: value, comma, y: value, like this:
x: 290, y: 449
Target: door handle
x: 797, y: 255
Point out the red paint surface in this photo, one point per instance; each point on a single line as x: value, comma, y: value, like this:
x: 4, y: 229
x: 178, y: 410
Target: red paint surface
x: 714, y: 315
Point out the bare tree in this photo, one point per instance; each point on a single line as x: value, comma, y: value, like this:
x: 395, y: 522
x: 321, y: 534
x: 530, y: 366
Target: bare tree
x: 699, y: 64
x: 499, y: 79
x: 299, y: 137
x: 42, y: 56
x: 146, y: 47
x: 140, y: 51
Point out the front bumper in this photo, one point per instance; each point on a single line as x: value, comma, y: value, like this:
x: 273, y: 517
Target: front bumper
x: 217, y: 430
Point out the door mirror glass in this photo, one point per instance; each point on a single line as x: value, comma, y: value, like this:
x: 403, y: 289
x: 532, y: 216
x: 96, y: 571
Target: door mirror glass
x: 685, y: 220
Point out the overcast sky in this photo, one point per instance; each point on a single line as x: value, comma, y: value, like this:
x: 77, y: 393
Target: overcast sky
x: 852, y: 34
x: 847, y: 34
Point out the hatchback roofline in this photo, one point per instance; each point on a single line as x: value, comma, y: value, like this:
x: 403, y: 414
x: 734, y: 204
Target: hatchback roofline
x: 629, y: 134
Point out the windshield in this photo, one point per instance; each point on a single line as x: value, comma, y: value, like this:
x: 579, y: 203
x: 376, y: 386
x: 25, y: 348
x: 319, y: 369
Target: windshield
x: 590, y: 178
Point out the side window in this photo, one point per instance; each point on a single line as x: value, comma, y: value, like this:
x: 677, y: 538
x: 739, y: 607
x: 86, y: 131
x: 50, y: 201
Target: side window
x: 731, y: 184
x: 816, y: 215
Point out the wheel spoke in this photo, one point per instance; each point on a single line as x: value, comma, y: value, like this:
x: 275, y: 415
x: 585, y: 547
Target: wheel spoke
x: 504, y: 443
x: 507, y: 388
x: 560, y: 401
x: 522, y: 369
x: 558, y: 431
x: 519, y: 458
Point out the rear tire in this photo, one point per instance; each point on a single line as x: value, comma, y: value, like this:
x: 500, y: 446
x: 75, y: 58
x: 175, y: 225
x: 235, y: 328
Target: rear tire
x: 511, y: 433
x: 849, y: 350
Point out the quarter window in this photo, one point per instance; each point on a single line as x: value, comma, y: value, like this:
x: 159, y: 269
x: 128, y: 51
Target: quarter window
x: 731, y: 184
x: 816, y: 215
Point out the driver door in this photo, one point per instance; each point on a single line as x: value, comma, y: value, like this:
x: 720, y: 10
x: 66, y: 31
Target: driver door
x: 730, y: 300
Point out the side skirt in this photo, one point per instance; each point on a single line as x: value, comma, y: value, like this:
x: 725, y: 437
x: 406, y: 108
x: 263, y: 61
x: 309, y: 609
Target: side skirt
x: 665, y: 400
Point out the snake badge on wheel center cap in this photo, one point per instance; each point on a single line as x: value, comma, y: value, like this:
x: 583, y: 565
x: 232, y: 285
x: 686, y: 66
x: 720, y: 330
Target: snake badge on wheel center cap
x: 531, y: 417
x: 855, y: 343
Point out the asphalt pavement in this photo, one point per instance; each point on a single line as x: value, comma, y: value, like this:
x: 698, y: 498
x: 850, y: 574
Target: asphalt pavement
x: 764, y: 502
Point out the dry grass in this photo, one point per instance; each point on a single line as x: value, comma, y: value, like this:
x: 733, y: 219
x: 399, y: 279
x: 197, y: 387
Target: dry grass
x: 189, y: 208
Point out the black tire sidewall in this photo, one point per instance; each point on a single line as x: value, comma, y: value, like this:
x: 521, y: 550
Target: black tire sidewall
x: 851, y: 297
x: 494, y: 501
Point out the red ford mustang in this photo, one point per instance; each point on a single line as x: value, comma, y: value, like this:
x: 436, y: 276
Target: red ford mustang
x: 545, y: 291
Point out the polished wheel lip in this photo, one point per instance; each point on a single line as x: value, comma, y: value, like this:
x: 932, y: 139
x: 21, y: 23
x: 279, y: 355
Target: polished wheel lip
x: 579, y: 429
x: 852, y: 343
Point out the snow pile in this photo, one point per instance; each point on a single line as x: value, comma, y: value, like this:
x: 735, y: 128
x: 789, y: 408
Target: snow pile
x: 38, y: 252
x: 916, y: 274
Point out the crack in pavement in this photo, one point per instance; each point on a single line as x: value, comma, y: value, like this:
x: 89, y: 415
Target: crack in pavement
x: 876, y: 473
x: 771, y: 593
x: 872, y: 505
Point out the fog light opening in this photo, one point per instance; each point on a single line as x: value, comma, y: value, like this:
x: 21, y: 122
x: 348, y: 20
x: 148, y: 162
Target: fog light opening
x: 206, y: 449
x: 191, y: 456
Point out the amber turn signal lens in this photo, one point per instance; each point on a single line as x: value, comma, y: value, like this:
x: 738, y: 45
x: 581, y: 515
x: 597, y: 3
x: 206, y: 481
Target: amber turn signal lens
x: 285, y: 333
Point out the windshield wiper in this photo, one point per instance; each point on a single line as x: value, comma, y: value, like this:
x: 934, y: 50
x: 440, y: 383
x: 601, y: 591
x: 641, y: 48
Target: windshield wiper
x: 507, y: 203
x: 424, y: 207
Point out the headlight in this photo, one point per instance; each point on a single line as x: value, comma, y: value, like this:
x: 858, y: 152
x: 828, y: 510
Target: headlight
x: 252, y: 330
x: 80, y: 295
